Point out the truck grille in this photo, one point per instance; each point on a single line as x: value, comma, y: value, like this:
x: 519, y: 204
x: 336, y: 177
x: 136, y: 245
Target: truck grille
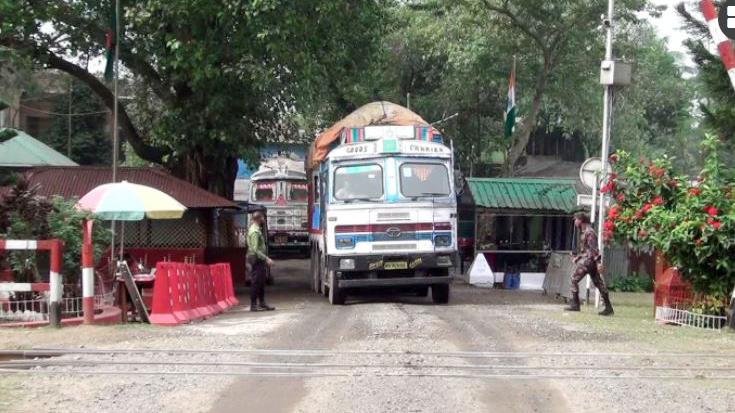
x: 394, y: 247
x: 388, y: 216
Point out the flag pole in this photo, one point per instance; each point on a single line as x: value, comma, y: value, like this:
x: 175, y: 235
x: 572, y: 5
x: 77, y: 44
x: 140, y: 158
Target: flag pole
x: 115, y: 135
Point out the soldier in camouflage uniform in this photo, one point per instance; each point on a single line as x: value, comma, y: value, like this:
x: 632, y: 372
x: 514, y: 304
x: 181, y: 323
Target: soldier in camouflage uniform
x: 586, y: 263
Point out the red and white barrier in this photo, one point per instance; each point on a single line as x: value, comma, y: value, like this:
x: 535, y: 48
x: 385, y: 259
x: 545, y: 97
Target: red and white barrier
x: 54, y: 287
x: 724, y: 45
x: 87, y: 272
x: 188, y: 292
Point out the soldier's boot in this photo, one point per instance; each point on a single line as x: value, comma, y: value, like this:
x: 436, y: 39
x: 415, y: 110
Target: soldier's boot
x: 265, y: 307
x: 573, y: 304
x: 608, y: 310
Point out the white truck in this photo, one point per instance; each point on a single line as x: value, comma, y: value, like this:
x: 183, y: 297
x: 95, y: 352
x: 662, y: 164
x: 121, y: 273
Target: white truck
x: 382, y: 205
x: 280, y: 185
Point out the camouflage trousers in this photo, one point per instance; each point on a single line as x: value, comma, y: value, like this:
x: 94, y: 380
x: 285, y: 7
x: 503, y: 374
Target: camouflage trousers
x: 583, y: 267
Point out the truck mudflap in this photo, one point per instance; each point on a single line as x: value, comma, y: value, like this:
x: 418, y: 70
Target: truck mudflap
x: 393, y: 266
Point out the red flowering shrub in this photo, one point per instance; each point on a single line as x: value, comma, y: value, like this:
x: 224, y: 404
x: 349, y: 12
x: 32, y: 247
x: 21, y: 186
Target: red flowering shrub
x: 698, y: 219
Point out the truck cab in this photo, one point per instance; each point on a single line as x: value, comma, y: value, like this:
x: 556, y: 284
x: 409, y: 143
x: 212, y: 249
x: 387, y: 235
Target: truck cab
x: 280, y: 185
x: 384, y: 213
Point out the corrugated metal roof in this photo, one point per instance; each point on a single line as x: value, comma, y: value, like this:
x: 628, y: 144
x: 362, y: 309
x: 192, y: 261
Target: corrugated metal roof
x: 75, y: 182
x: 524, y: 194
x: 22, y: 151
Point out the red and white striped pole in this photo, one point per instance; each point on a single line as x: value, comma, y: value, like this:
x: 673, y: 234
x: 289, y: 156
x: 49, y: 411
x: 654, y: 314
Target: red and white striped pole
x: 724, y: 45
x: 87, y: 272
x: 55, y: 287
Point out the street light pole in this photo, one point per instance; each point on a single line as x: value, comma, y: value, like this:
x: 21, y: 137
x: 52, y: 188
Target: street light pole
x: 606, y: 129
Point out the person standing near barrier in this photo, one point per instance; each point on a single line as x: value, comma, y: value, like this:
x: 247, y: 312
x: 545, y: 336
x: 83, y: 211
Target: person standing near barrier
x: 259, y: 263
x: 586, y: 262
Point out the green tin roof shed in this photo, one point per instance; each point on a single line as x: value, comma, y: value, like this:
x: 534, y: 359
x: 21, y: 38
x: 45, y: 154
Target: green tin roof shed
x: 24, y: 151
x: 525, y: 194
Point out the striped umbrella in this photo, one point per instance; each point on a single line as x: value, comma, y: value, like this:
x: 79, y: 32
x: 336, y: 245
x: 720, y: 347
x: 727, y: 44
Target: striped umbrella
x: 123, y: 201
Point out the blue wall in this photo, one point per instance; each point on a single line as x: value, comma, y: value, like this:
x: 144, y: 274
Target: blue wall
x: 244, y: 171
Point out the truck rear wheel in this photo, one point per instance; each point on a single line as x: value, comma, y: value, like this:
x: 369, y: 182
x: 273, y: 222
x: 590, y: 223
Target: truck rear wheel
x: 336, y: 294
x: 440, y: 293
x: 323, y: 273
x: 314, y: 271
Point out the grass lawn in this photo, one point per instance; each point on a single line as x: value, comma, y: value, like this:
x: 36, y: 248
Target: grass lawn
x: 633, y: 319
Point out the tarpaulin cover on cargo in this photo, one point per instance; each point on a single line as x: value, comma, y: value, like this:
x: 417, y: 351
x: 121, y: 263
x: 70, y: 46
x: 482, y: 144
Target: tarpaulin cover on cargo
x: 375, y: 113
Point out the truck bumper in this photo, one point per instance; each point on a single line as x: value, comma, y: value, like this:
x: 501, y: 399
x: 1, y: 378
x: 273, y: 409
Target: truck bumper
x: 397, y: 262
x: 288, y: 239
x: 393, y: 282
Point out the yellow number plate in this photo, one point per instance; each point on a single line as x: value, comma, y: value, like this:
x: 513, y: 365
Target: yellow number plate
x: 396, y: 265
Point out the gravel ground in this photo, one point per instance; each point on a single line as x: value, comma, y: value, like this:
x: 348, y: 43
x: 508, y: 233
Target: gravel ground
x: 476, y: 320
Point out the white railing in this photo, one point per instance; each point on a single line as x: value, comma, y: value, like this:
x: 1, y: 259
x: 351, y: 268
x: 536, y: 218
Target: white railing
x: 37, y: 309
x: 24, y: 310
x: 688, y: 318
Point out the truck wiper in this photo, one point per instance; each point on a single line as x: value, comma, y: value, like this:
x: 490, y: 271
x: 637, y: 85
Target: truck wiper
x: 428, y: 194
x: 351, y: 200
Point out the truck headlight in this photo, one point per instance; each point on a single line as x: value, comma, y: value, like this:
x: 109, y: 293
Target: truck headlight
x: 347, y: 264
x: 345, y: 243
x: 442, y: 241
x: 444, y: 261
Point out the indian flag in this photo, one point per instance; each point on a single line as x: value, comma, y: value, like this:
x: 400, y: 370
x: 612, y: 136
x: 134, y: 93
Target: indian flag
x: 510, y: 109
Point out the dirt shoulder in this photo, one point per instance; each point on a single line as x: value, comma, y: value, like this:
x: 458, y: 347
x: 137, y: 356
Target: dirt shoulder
x: 476, y: 320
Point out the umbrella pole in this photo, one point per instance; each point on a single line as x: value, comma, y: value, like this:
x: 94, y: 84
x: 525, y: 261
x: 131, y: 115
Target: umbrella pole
x: 122, y: 239
x: 112, y: 247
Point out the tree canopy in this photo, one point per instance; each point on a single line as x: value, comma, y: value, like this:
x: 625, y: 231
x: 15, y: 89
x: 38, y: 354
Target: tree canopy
x: 209, y: 81
x: 218, y: 75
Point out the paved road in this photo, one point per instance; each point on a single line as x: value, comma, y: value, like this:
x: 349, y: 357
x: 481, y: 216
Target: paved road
x: 383, y: 323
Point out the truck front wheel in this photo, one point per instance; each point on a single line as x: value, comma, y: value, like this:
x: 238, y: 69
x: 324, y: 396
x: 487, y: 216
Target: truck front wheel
x: 440, y: 293
x: 336, y: 294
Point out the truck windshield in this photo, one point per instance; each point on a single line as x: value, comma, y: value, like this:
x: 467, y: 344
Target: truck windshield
x: 264, y: 191
x: 424, y: 179
x: 358, y: 182
x: 297, y: 192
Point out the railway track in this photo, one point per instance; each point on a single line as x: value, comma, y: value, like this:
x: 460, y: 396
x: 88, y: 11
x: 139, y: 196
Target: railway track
x: 289, y: 363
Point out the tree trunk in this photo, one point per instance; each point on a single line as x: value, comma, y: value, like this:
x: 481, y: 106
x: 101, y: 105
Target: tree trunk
x: 529, y: 124
x: 212, y: 173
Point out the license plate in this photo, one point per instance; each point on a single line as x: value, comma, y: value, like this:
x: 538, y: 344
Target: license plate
x: 396, y: 265
x: 281, y: 239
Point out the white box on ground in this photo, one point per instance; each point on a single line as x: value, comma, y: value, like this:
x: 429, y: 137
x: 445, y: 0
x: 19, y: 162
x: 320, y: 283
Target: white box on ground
x: 481, y: 274
x: 532, y: 280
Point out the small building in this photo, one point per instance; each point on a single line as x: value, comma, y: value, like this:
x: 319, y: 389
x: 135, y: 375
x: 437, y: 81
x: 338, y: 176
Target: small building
x: 22, y: 151
x: 519, y: 221
x: 211, y: 230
